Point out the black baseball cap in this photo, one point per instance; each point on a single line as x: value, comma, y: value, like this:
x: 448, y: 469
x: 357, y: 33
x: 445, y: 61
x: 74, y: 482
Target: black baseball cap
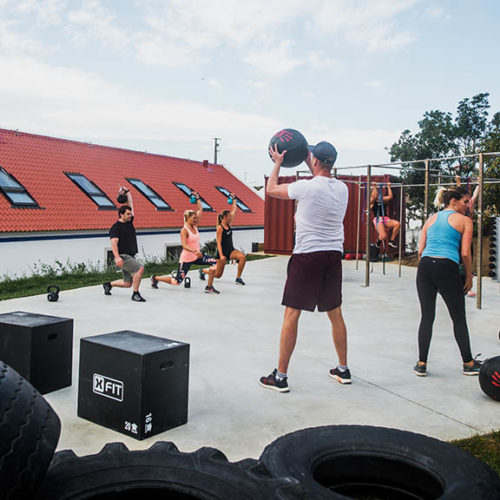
x: 324, y: 152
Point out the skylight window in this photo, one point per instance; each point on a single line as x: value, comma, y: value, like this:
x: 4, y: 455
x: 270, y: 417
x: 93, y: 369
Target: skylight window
x: 150, y: 194
x: 15, y: 192
x: 239, y: 203
x: 92, y: 191
x: 187, y: 191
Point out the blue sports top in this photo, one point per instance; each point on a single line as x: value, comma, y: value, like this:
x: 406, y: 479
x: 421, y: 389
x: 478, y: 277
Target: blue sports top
x: 443, y: 240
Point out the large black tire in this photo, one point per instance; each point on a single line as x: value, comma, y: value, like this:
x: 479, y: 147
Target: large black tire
x: 161, y: 472
x: 353, y: 461
x: 29, y: 432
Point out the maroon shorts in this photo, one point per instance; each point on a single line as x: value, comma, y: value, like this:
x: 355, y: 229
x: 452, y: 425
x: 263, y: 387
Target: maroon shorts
x: 314, y: 279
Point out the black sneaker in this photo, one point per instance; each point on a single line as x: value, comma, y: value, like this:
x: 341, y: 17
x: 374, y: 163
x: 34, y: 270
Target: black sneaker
x: 392, y: 244
x: 342, y: 377
x: 211, y: 289
x: 137, y: 297
x: 107, y: 288
x: 201, y: 274
x: 154, y: 282
x: 270, y: 382
x: 239, y: 281
x: 474, y: 369
x: 378, y: 243
x: 420, y: 370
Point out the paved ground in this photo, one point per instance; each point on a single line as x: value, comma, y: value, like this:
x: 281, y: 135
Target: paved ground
x: 234, y: 340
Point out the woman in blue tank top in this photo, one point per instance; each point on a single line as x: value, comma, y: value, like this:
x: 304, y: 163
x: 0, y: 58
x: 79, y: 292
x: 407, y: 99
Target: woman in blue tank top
x: 445, y: 240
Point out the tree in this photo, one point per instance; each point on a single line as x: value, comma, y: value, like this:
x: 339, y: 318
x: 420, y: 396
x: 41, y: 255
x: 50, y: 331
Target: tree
x: 491, y: 193
x: 440, y: 135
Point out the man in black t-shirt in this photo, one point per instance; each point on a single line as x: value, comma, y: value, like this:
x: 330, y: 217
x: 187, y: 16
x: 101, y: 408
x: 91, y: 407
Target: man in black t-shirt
x: 124, y: 247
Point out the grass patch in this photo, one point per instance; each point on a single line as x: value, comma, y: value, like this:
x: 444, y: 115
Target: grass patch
x: 71, y: 276
x: 485, y: 446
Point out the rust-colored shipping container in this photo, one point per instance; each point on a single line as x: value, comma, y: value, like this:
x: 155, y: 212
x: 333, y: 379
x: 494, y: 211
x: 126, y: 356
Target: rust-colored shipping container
x: 279, y: 216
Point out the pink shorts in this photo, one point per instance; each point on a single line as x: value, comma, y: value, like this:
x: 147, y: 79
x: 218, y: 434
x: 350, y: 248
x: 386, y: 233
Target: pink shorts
x: 377, y: 220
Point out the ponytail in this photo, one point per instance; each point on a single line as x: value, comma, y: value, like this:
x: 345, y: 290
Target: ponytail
x: 221, y: 215
x: 438, y: 199
x: 444, y: 196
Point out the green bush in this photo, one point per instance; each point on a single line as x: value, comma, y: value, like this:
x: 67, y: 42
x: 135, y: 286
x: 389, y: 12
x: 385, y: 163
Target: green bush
x: 210, y: 247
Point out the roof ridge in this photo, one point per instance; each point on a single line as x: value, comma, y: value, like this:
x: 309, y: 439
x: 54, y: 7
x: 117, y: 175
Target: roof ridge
x: 91, y: 144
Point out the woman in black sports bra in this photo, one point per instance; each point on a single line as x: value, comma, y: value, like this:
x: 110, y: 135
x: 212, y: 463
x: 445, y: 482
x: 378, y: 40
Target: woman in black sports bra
x: 225, y: 247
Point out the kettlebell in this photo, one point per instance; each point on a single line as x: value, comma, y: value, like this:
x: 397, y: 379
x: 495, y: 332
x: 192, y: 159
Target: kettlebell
x: 192, y: 198
x: 229, y: 200
x: 53, y: 293
x: 187, y: 282
x: 122, y: 197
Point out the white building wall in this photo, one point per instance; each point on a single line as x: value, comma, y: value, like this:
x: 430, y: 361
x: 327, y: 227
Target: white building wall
x: 18, y: 257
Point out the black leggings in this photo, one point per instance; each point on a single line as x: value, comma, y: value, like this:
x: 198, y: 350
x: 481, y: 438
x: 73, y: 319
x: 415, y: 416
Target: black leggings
x: 441, y: 275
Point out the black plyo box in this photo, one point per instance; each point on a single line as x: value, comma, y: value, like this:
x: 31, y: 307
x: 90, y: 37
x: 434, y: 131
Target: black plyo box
x: 134, y: 383
x: 38, y: 347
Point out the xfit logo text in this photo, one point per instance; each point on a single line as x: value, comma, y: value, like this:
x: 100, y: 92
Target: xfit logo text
x: 107, y: 387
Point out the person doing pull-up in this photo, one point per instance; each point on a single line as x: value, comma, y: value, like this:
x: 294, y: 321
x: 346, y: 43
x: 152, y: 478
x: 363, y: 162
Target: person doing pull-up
x: 382, y: 222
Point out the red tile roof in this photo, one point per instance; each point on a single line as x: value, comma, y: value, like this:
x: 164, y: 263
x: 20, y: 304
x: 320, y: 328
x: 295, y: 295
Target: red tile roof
x: 39, y: 163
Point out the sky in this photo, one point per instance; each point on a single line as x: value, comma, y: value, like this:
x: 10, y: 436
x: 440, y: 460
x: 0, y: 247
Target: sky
x: 169, y: 76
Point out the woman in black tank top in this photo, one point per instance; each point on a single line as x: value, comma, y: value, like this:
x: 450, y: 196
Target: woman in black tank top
x: 225, y: 247
x: 226, y: 241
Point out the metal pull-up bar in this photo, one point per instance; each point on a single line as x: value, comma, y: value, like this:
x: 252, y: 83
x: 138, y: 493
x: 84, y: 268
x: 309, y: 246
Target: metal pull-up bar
x: 426, y: 185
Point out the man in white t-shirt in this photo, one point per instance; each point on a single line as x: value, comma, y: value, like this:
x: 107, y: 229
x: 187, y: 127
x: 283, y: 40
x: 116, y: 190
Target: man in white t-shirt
x: 314, y: 275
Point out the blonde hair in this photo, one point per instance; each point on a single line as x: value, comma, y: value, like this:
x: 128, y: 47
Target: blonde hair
x: 221, y: 215
x: 444, y: 196
x: 438, y: 199
x: 189, y: 213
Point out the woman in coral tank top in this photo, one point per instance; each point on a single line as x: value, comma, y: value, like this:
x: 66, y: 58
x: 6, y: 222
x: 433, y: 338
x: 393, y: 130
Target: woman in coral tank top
x: 191, y: 252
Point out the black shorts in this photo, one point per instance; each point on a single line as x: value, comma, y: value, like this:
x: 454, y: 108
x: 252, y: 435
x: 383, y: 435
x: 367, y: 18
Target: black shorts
x: 184, y: 267
x: 314, y: 279
x: 226, y: 252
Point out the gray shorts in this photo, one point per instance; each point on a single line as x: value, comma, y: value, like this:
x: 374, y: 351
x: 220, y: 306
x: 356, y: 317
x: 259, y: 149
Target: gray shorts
x: 130, y: 267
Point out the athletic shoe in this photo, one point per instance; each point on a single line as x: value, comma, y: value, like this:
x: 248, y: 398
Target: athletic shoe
x: 201, y: 274
x: 270, y: 382
x: 378, y: 243
x: 107, y: 288
x: 137, y: 297
x: 211, y: 289
x: 474, y: 369
x: 342, y: 377
x: 420, y: 370
x: 154, y: 282
x: 392, y: 244
x: 239, y: 281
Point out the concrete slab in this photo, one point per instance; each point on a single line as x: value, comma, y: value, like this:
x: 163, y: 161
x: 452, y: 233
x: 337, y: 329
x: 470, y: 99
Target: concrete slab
x: 234, y: 340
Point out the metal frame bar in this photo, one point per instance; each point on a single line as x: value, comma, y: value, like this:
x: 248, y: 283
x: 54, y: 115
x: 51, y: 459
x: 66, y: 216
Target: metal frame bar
x: 410, y: 162
x: 479, y: 258
x: 359, y: 222
x: 367, y: 212
x: 401, y: 194
x: 397, y: 184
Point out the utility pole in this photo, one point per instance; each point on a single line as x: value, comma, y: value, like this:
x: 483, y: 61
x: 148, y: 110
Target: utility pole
x: 216, y: 148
